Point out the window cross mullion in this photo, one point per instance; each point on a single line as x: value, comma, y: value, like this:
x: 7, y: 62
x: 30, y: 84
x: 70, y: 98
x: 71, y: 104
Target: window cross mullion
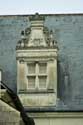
x: 37, y: 72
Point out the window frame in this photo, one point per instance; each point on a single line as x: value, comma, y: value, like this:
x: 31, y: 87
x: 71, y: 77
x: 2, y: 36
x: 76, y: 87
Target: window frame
x: 37, y: 75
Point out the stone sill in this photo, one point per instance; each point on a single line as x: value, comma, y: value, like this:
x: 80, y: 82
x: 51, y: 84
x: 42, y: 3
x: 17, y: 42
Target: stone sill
x: 36, y: 47
x: 36, y: 91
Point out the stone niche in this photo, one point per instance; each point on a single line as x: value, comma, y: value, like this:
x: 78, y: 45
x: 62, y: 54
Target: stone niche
x: 36, y: 55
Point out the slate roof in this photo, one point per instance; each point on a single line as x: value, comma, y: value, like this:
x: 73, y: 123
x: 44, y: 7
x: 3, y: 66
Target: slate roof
x: 68, y: 31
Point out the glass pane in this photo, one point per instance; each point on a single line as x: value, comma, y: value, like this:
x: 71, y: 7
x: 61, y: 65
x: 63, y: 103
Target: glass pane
x: 31, y: 68
x: 42, y: 68
x: 31, y: 82
x: 42, y: 81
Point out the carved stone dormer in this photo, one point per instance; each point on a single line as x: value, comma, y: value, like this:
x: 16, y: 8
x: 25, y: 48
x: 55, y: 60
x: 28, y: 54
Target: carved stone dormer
x: 36, y: 55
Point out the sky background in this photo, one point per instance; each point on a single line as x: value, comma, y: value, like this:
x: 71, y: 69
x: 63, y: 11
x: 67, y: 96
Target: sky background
x: 13, y: 7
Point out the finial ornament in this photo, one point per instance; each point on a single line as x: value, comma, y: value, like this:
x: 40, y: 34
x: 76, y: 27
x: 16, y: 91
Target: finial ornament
x: 36, y: 17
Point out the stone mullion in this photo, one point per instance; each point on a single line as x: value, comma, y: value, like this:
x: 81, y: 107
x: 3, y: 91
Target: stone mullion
x: 37, y: 72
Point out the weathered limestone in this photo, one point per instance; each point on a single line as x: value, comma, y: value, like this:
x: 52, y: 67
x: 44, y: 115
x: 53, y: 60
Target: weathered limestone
x: 8, y: 115
x: 36, y: 57
x: 58, y: 118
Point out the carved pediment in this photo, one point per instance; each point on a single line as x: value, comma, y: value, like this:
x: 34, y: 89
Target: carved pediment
x: 37, y: 35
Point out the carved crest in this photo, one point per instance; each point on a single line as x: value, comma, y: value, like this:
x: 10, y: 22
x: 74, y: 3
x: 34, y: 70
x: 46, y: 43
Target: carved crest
x: 37, y: 35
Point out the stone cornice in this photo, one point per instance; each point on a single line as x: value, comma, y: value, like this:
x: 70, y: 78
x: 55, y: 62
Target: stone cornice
x: 36, y: 47
x: 56, y: 114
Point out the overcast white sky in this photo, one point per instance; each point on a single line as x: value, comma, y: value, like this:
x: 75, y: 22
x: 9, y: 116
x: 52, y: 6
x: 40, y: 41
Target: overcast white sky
x: 12, y: 7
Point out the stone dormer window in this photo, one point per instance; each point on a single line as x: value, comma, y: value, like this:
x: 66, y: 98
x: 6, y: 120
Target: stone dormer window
x: 37, y: 65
